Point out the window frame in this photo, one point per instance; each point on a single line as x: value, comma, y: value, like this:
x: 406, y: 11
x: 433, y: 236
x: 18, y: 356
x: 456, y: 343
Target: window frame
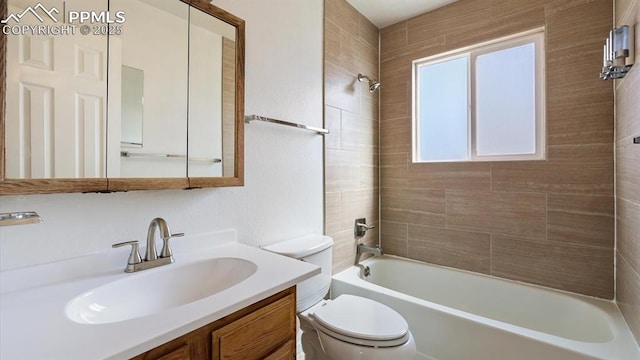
x: 535, y: 36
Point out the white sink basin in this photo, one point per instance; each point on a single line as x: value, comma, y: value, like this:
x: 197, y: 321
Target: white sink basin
x: 153, y: 291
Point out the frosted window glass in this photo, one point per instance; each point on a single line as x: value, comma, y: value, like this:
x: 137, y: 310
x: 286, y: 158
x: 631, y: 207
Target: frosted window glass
x: 443, y: 110
x: 505, y: 102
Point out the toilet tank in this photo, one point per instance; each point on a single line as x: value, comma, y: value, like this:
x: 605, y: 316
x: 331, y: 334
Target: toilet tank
x: 314, y: 249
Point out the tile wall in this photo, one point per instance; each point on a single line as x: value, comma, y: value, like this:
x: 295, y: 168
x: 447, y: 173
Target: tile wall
x: 544, y: 222
x: 628, y: 178
x: 351, y: 115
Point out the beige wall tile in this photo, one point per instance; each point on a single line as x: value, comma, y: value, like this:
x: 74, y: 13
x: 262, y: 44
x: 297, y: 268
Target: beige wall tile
x: 450, y: 176
x: 348, y: 52
x: 395, y: 135
x: 393, y: 238
x: 447, y: 15
x: 501, y: 8
x: 576, y: 22
x: 368, y: 33
x: 343, y: 14
x: 393, y: 170
x: 393, y: 37
x: 359, y: 134
x: 581, y: 219
x: 576, y: 80
x: 628, y: 232
x: 519, y: 214
x: 584, y: 169
x: 628, y: 295
x: 407, y: 54
x: 580, y: 120
x: 333, y: 123
x: 628, y: 170
x: 413, y: 206
x: 332, y: 212
x: 358, y: 57
x: 344, y: 250
x: 331, y: 42
x: 341, y: 89
x: 367, y: 59
x: 582, y: 269
x: 623, y: 9
x: 396, y: 93
x: 395, y: 71
x: 494, y: 28
x: 369, y: 105
x: 460, y: 249
x: 341, y: 171
x: 369, y: 171
x: 628, y: 106
x: 431, y: 25
x: 359, y: 204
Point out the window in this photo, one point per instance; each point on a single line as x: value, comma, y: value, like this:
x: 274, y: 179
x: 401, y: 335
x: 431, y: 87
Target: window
x: 481, y: 103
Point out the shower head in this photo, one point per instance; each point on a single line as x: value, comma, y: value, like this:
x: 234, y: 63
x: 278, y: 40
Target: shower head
x: 373, y: 84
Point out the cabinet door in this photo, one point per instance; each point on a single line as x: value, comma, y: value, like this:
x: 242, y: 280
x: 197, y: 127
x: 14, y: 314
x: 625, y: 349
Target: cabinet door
x: 284, y: 352
x: 167, y: 352
x: 258, y: 335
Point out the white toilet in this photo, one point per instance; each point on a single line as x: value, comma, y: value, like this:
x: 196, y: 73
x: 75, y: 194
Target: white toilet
x: 348, y: 327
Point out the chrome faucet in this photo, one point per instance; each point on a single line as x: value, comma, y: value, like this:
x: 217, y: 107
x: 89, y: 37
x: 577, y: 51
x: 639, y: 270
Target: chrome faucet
x: 165, y: 235
x: 151, y: 258
x: 363, y: 249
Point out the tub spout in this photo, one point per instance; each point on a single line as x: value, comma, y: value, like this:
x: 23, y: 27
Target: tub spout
x: 363, y: 249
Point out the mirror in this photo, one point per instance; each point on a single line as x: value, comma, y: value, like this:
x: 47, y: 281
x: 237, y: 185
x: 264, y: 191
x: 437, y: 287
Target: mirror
x: 211, y: 96
x: 132, y: 100
x: 171, y: 116
x: 155, y: 39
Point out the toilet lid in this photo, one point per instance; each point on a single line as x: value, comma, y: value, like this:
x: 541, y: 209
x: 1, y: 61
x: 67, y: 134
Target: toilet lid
x: 361, y: 318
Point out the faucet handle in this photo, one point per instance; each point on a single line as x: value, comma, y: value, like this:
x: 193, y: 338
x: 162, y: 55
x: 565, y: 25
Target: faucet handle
x: 134, y: 256
x: 360, y: 227
x: 166, y: 249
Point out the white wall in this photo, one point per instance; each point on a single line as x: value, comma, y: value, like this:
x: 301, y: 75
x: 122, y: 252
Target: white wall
x: 282, y: 196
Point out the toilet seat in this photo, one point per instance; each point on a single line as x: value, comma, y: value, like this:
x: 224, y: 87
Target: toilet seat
x: 361, y: 321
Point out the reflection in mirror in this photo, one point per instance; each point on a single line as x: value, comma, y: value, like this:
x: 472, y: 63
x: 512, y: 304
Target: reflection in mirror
x: 155, y: 41
x: 56, y: 91
x: 132, y: 106
x: 211, y: 96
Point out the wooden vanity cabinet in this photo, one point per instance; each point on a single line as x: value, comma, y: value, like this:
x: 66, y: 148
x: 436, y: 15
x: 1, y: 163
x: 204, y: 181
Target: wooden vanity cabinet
x: 264, y: 330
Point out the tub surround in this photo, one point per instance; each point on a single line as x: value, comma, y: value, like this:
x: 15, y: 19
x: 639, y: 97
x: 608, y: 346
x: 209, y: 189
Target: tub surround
x: 351, y: 114
x: 544, y: 222
x: 33, y: 301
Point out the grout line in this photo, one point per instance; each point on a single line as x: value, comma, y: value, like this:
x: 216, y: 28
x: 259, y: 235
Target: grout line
x: 491, y: 254
x: 546, y: 217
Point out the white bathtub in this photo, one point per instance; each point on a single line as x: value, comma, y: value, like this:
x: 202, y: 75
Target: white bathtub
x: 458, y: 315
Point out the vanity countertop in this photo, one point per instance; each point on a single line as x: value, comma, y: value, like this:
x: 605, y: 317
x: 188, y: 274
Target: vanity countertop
x: 33, y: 301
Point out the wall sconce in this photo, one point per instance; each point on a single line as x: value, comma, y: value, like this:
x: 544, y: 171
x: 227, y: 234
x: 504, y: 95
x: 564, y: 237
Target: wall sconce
x: 615, y: 53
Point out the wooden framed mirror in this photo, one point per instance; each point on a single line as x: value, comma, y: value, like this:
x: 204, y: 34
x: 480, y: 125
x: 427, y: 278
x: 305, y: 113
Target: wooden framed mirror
x: 140, y: 95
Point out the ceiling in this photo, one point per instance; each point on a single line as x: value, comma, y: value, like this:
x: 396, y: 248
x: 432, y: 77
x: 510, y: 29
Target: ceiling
x: 387, y: 12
